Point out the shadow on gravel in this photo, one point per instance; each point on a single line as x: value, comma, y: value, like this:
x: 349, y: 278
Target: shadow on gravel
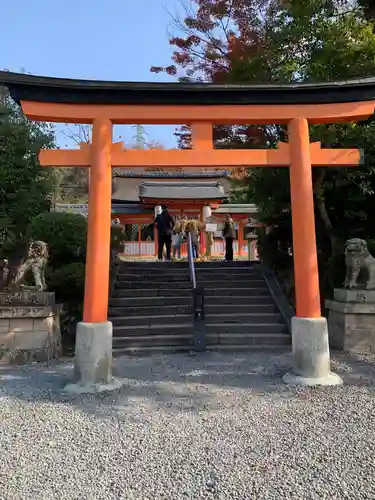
x: 355, y: 369
x: 177, y: 383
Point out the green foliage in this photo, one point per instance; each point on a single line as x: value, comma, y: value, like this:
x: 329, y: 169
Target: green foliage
x: 290, y: 41
x: 70, y: 315
x: 65, y: 234
x: 67, y: 282
x: 25, y: 188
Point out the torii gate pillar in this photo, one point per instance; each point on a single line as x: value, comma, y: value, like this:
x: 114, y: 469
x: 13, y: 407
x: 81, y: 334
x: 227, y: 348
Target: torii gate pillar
x: 309, y: 328
x: 93, y: 361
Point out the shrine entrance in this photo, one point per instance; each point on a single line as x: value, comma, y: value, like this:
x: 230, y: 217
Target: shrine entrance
x: 201, y: 106
x: 143, y: 243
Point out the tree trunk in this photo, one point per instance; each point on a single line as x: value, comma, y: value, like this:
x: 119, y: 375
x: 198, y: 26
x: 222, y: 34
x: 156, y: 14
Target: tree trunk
x: 320, y: 203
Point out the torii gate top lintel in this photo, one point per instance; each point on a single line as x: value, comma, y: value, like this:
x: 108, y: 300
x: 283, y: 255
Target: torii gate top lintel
x: 83, y: 101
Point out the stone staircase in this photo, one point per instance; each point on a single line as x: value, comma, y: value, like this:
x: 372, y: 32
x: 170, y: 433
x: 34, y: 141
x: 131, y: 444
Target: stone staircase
x: 151, y: 308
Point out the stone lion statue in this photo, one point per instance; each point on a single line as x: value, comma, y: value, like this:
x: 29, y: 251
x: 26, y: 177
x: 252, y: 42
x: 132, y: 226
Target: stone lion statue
x: 360, y: 265
x: 36, y: 260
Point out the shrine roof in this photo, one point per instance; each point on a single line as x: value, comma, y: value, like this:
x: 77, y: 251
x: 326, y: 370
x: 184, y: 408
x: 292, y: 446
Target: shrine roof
x: 23, y: 87
x: 130, y: 208
x: 237, y: 208
x: 182, y: 191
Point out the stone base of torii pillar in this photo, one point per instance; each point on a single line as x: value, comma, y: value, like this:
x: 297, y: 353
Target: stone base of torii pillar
x: 311, y: 359
x: 93, y: 359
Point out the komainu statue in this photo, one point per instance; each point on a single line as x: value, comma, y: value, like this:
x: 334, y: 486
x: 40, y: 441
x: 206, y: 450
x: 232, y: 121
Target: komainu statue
x: 360, y: 265
x: 17, y: 266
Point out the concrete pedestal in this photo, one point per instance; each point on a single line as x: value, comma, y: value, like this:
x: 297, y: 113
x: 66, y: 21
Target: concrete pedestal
x: 351, y: 320
x: 93, y: 361
x: 311, y: 353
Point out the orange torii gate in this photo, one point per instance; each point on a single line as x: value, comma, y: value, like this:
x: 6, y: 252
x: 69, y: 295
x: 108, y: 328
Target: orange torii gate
x: 202, y: 154
x: 201, y: 106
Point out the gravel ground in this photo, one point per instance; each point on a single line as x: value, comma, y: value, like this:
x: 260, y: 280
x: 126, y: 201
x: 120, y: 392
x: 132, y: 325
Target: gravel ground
x: 207, y: 427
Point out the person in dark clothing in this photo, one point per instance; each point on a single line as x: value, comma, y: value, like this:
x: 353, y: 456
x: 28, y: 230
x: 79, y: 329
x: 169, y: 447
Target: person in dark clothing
x: 164, y: 224
x: 229, y: 234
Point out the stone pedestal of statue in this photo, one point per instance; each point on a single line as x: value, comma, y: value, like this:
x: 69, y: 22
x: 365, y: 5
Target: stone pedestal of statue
x: 351, y: 320
x: 29, y: 327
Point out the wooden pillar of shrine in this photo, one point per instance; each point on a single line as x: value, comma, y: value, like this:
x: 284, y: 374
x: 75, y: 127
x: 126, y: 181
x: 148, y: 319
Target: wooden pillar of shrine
x: 202, y: 243
x: 240, y: 238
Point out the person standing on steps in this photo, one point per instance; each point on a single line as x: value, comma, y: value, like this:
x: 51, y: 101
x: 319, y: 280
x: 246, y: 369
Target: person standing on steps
x: 164, y: 224
x: 229, y: 234
x: 176, y: 241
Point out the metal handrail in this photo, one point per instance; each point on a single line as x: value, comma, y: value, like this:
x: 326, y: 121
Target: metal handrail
x: 199, y: 337
x: 191, y: 262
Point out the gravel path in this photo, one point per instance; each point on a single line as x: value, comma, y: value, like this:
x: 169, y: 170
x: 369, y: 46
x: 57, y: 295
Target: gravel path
x: 207, y: 427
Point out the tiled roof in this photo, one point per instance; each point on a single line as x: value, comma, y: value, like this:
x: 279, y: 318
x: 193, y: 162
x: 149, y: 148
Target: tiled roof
x: 182, y: 191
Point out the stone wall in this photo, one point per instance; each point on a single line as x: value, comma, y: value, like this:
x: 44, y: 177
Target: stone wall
x: 351, y: 320
x: 29, y: 327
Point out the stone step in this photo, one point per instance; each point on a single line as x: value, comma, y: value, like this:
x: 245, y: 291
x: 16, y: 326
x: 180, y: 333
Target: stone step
x: 176, y: 329
x: 181, y: 271
x: 186, y: 284
x: 226, y: 318
x: 220, y: 264
x: 157, y: 340
x: 136, y: 285
x: 149, y: 301
x: 181, y: 300
x: 154, y: 330
x: 248, y: 339
x: 149, y: 310
x: 187, y: 292
x: 244, y: 318
x: 261, y: 328
x: 254, y: 339
x: 269, y: 348
x: 211, y: 309
x: 150, y: 350
x: 235, y: 300
x: 171, y: 278
x: 150, y: 291
x: 174, y: 319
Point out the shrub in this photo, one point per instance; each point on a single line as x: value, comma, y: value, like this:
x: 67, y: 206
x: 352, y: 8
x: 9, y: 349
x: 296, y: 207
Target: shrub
x: 68, y: 282
x: 70, y: 315
x: 64, y: 233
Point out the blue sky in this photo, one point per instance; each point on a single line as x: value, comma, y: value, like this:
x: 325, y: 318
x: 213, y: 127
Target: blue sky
x: 97, y: 39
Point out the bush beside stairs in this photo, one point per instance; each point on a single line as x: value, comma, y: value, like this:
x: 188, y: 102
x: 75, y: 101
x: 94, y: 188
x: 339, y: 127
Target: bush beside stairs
x: 151, y: 308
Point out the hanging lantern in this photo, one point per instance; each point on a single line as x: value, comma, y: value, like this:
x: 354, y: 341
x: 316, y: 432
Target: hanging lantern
x: 158, y: 210
x: 206, y: 212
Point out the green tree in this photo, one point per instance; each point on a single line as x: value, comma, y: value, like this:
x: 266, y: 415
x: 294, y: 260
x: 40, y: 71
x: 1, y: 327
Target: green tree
x: 262, y: 41
x: 25, y: 187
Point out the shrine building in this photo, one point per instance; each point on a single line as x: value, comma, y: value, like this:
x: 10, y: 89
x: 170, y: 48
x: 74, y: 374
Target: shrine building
x: 185, y: 192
